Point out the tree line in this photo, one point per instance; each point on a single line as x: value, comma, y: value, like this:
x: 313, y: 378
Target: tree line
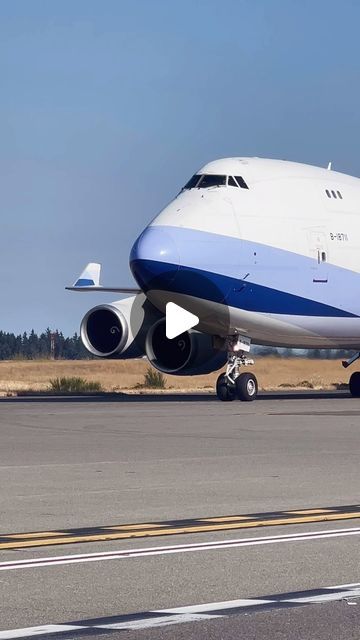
x: 313, y: 354
x: 53, y: 344
x: 49, y: 344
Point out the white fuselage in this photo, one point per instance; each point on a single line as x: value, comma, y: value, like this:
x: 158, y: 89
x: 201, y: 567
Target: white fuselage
x: 283, y: 252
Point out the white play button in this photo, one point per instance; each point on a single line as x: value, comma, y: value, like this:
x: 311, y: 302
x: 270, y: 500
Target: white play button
x: 178, y: 320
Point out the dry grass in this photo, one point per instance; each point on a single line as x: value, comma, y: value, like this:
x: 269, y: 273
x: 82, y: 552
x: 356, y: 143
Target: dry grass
x: 118, y: 375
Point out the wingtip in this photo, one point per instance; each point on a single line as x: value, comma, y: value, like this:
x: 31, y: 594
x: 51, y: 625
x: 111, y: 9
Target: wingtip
x: 89, y: 280
x: 89, y: 277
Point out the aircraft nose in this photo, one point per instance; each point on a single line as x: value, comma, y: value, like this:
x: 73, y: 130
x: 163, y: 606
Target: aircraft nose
x: 154, y: 258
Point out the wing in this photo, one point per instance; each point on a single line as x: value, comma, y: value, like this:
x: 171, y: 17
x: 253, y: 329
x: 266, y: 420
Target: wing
x: 89, y: 280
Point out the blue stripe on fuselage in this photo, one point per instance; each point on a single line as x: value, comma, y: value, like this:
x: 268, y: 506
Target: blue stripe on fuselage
x: 234, y: 292
x: 277, y: 275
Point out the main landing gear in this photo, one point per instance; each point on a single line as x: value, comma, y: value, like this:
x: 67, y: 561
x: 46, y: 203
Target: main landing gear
x: 354, y: 382
x: 233, y: 384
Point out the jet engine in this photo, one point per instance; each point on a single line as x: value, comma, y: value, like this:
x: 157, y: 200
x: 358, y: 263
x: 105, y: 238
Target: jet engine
x: 118, y: 329
x: 191, y: 353
x: 133, y: 327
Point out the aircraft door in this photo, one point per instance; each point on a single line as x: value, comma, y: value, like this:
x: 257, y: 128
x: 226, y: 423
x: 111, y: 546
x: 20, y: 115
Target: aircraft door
x: 319, y: 251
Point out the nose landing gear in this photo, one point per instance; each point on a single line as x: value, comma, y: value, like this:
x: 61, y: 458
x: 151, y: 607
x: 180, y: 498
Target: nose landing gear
x: 233, y: 384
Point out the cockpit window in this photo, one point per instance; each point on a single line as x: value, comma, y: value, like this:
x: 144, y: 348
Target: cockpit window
x: 241, y: 182
x: 209, y: 180
x: 205, y: 180
x: 192, y: 182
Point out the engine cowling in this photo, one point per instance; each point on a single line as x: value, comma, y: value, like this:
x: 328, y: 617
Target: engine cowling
x: 191, y: 353
x: 118, y: 329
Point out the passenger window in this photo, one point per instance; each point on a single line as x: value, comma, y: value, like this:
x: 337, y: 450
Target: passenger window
x: 328, y: 193
x: 339, y: 194
x: 231, y: 182
x: 241, y: 182
x: 333, y: 194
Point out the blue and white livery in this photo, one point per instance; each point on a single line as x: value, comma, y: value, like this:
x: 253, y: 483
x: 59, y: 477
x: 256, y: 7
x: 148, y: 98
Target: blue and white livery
x: 262, y: 251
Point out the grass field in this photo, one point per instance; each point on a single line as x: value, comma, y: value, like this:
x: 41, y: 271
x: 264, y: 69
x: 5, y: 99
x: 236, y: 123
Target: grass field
x: 120, y: 375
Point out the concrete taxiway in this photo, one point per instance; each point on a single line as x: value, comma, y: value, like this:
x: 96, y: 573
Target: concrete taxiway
x: 180, y: 518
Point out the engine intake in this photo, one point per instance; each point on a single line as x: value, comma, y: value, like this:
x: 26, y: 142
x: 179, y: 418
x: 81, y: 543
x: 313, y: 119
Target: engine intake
x: 104, y: 331
x: 191, y: 353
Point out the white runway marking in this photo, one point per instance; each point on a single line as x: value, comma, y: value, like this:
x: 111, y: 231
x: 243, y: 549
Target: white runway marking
x: 39, y: 631
x: 122, y: 554
x: 156, y: 621
x: 192, y: 613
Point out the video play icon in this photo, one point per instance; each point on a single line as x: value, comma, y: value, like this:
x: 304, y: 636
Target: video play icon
x: 178, y: 320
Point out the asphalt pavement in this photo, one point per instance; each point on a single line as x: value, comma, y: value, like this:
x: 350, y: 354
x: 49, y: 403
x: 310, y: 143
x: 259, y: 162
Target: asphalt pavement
x: 180, y: 518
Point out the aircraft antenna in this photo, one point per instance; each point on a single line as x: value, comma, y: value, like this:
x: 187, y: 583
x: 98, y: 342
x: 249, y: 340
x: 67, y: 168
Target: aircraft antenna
x: 329, y: 166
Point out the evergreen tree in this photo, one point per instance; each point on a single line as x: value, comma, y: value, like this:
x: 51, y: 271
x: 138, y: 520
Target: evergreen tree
x: 30, y: 346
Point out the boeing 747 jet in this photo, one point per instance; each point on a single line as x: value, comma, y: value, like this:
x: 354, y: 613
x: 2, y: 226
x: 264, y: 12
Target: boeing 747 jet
x: 253, y: 251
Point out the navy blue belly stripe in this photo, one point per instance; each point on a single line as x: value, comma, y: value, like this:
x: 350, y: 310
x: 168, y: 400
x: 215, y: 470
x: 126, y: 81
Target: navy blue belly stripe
x: 234, y: 292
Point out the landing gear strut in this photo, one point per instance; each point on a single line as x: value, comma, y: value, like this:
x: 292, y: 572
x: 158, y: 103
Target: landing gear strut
x: 233, y: 384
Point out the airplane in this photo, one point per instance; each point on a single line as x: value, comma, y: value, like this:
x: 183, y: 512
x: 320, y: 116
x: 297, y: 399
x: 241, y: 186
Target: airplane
x: 260, y: 251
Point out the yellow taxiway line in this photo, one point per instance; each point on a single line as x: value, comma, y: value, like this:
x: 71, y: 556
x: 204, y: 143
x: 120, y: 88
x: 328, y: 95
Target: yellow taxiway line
x: 176, y: 527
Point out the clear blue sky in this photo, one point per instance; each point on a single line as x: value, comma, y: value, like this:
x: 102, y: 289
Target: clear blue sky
x: 108, y: 106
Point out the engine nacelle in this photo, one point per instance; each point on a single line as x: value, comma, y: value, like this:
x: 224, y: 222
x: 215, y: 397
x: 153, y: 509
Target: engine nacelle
x: 118, y: 329
x: 191, y: 353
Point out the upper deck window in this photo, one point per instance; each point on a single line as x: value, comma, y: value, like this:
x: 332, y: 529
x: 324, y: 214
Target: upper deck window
x: 333, y: 194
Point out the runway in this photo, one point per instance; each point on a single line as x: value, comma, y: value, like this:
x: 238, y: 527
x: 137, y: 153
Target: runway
x: 180, y: 518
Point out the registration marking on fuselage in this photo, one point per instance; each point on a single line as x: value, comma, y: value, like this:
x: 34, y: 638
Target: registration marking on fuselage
x: 177, y: 527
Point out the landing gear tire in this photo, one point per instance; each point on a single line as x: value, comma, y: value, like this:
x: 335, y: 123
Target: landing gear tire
x: 354, y: 384
x: 225, y: 391
x: 246, y: 387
